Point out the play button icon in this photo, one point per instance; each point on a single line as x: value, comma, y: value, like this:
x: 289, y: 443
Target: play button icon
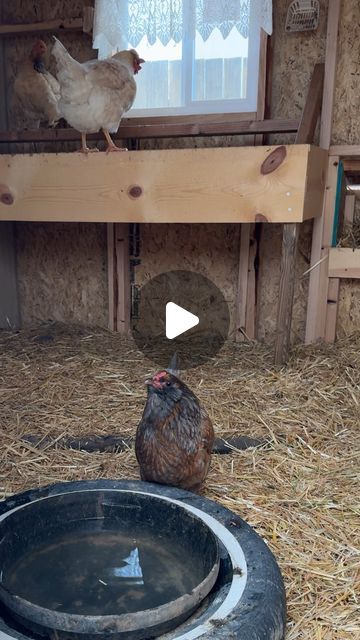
x: 178, y: 320
x: 180, y: 311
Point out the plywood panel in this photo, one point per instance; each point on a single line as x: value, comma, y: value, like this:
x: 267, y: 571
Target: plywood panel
x: 62, y: 273
x: 188, y: 185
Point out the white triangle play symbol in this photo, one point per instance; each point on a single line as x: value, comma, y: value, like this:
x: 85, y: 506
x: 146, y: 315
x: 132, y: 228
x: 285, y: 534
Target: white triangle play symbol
x: 178, y: 320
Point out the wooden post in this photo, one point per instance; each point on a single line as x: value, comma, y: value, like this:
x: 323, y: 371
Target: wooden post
x: 334, y: 283
x: 305, y: 133
x: 118, y: 276
x: 246, y: 288
x: 318, y: 279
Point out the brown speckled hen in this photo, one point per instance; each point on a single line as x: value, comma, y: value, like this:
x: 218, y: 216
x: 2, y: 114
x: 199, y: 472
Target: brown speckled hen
x: 175, y: 436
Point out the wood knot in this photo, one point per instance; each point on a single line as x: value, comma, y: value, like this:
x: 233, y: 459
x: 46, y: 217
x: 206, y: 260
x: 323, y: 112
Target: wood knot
x: 135, y: 191
x: 6, y: 197
x: 273, y: 161
x: 259, y: 217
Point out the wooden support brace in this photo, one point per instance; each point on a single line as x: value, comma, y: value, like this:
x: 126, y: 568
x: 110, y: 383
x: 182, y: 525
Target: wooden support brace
x: 315, y: 320
x: 306, y: 132
x: 118, y: 277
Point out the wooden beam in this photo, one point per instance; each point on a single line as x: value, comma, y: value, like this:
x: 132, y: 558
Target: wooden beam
x: 131, y: 128
x: 344, y: 263
x: 309, y: 118
x: 122, y: 277
x: 85, y: 24
x: 345, y: 150
x: 230, y: 184
x: 242, y: 287
x: 315, y: 321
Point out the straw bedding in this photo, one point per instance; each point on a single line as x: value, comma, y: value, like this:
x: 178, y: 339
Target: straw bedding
x: 300, y: 491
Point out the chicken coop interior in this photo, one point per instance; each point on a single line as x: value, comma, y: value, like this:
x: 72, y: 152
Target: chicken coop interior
x: 264, y: 203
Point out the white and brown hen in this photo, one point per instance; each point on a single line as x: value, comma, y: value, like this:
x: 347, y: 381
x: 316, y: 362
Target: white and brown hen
x: 36, y: 90
x: 96, y: 94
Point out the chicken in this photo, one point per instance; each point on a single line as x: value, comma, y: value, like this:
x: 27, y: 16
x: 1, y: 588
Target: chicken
x: 175, y: 436
x: 96, y: 94
x: 36, y: 90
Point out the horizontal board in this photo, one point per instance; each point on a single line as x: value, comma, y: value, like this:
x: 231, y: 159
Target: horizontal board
x: 344, y: 263
x: 182, y: 185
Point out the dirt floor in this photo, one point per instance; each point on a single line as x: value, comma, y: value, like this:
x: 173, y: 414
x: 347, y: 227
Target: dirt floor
x: 300, y: 490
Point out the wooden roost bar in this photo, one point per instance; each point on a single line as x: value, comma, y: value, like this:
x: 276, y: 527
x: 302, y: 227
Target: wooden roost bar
x: 242, y: 184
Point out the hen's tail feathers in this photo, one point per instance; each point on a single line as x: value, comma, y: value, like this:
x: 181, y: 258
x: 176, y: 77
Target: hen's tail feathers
x: 173, y: 367
x: 65, y: 62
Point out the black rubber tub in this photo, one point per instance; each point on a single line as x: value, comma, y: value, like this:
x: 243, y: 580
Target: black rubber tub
x: 100, y: 564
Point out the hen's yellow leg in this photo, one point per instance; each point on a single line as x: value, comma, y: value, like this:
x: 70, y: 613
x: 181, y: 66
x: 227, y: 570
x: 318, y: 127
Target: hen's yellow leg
x: 84, y: 148
x: 111, y: 146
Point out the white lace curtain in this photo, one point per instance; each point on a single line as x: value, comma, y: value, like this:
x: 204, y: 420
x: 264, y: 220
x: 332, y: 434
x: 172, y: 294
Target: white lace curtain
x: 118, y: 22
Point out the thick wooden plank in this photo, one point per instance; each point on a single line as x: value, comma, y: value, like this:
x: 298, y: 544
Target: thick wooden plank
x: 181, y: 185
x: 315, y: 319
x: 72, y: 24
x: 344, y: 263
x: 9, y: 302
x: 133, y: 128
x: 332, y: 309
x: 122, y: 277
x: 310, y: 116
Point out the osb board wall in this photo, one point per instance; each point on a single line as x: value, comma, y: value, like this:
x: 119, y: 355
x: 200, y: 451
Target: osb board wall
x: 62, y: 273
x: 211, y: 249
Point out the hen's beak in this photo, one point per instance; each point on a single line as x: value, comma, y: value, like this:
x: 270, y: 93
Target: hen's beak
x: 138, y: 64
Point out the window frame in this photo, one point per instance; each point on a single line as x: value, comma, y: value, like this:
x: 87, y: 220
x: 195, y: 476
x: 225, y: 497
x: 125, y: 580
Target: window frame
x: 214, y: 108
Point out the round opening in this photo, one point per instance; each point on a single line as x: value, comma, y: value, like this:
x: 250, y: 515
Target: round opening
x: 105, y: 562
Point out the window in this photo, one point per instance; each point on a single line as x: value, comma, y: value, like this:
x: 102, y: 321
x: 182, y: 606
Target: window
x: 202, y: 56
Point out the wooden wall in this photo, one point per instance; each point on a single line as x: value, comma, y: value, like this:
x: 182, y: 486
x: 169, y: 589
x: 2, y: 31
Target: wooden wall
x: 74, y: 288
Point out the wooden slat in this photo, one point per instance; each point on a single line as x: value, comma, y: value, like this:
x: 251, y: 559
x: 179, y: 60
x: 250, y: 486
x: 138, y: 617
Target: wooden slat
x: 351, y: 165
x: 111, y: 268
x: 312, y: 109
x: 332, y: 309
x: 349, y: 209
x: 181, y: 185
x: 309, y: 118
x: 242, y: 287
x: 344, y: 263
x: 315, y: 320
x: 9, y: 301
x: 122, y: 277
x: 345, y: 150
x: 131, y: 128
x: 72, y: 24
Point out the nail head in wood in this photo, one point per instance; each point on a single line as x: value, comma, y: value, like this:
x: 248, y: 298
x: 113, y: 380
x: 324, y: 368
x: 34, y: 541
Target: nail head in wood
x: 274, y: 160
x: 135, y: 191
